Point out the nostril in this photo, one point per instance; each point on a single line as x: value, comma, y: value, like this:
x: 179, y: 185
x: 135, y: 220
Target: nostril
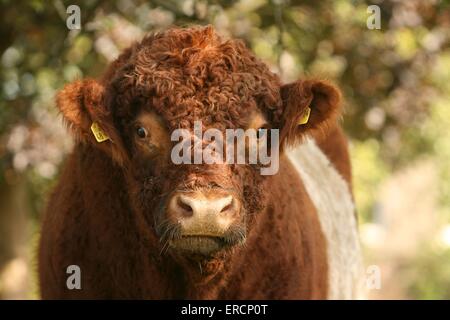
x: 186, y: 208
x: 228, y: 206
x: 200, y: 207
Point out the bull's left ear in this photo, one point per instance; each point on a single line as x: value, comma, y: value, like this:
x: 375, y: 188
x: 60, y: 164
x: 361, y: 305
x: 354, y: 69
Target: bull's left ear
x: 308, y: 106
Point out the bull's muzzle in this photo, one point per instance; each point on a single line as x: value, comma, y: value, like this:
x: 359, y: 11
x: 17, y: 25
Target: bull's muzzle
x: 205, y: 219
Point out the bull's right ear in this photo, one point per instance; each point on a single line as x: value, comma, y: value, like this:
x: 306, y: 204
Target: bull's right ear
x: 82, y: 106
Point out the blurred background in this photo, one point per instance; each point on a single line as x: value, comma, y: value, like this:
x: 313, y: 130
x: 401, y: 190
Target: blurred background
x: 395, y: 80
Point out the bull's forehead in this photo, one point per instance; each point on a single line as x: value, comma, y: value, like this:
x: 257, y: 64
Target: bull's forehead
x: 221, y: 105
x: 212, y: 81
x: 195, y: 75
x: 218, y: 111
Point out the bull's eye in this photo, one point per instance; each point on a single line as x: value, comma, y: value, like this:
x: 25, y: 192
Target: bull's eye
x: 141, y: 132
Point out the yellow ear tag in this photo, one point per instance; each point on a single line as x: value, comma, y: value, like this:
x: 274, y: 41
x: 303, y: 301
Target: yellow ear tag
x: 98, y: 132
x: 304, y: 119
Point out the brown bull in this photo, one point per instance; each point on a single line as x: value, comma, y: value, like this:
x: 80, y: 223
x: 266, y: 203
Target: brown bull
x: 140, y: 226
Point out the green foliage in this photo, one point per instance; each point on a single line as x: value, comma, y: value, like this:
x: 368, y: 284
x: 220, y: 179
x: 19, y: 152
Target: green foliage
x: 429, y: 276
x: 369, y: 171
x: 395, y: 81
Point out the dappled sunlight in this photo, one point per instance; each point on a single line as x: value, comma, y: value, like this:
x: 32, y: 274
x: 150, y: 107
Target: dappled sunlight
x: 395, y: 83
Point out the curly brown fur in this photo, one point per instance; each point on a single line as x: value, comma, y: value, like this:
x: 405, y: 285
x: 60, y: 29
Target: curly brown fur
x: 108, y: 213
